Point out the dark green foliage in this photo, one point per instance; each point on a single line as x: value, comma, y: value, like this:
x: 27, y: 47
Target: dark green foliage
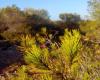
x: 68, y: 17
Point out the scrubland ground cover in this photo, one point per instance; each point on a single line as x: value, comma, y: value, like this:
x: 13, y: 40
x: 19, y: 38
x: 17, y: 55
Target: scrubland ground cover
x: 33, y: 47
x: 70, y: 60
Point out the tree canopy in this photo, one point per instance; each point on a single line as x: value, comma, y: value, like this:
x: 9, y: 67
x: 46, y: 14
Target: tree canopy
x: 69, y: 17
x: 94, y: 8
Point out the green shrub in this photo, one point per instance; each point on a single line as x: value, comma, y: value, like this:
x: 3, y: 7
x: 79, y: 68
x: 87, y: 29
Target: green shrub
x: 63, y: 60
x: 32, y: 53
x: 21, y: 74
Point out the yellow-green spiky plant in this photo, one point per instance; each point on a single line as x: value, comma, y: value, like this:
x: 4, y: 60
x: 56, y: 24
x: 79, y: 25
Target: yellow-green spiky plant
x: 32, y: 53
x: 63, y: 60
x: 46, y: 77
x: 21, y: 74
x: 35, y: 57
x: 69, y: 49
x: 70, y: 43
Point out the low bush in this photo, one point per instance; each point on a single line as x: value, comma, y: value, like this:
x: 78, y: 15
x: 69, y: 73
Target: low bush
x: 61, y: 60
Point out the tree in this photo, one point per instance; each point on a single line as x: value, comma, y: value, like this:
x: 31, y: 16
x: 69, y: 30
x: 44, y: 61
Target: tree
x: 71, y: 20
x: 11, y: 18
x: 39, y: 13
x: 69, y: 17
x: 94, y: 8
